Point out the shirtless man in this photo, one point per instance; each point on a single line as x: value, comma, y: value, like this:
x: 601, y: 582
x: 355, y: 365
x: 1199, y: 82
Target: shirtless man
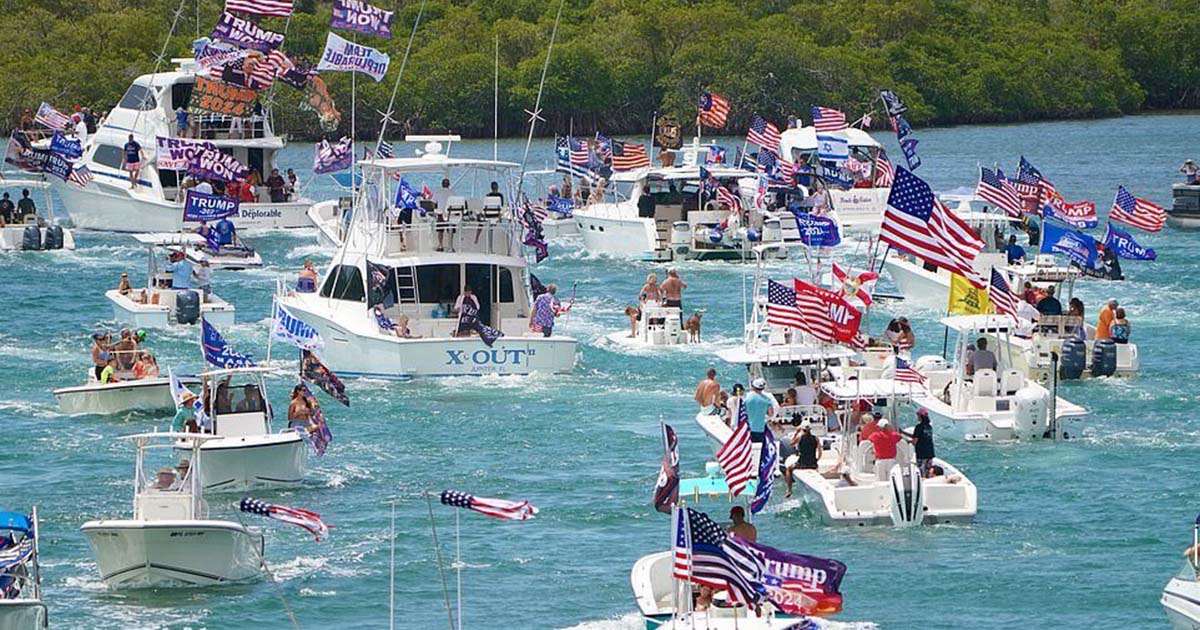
x: 740, y: 527
x: 672, y: 289
x: 707, y: 390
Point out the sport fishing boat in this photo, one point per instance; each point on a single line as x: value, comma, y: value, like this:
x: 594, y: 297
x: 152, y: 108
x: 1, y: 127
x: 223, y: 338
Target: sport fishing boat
x: 999, y: 404
x: 1181, y: 596
x: 385, y: 307
x: 21, y: 606
x: 193, y: 246
x: 127, y: 393
x: 170, y: 540
x: 147, y: 111
x: 845, y: 484
x: 657, y: 325
x: 161, y: 306
x: 245, y: 453
x: 35, y: 232
x: 860, y: 208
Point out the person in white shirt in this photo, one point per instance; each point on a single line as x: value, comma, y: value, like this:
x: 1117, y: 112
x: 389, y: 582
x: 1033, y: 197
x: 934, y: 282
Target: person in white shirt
x: 441, y: 197
x: 983, y: 359
x: 81, y: 131
x: 806, y: 395
x: 466, y: 324
x: 204, y: 187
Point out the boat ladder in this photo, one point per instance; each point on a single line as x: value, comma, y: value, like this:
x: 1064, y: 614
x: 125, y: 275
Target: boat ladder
x: 406, y: 286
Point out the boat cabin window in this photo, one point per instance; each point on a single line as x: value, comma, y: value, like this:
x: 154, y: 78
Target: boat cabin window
x: 344, y: 282
x: 108, y: 155
x: 505, y: 279
x: 438, y: 284
x: 245, y: 398
x: 138, y: 97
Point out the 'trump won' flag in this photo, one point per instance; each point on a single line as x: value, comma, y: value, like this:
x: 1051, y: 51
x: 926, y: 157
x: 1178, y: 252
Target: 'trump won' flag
x: 495, y: 508
x: 356, y: 15
x: 330, y: 158
x: 343, y: 55
x: 217, y: 352
x: 290, y: 330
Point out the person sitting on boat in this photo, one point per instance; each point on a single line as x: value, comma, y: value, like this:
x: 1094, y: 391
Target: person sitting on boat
x: 185, y: 415
x: 598, y: 191
x: 123, y: 287
x: 761, y: 409
x: 582, y: 192
x: 252, y: 400
x: 651, y: 293
x: 789, y: 398
x: 466, y: 320
x: 145, y: 366
x: 131, y: 160
x: 1191, y: 172
x: 277, y: 187
x: 545, y: 308
x: 720, y: 407
x: 1048, y: 304
x: 180, y: 269
x: 226, y: 232
x: 165, y: 479
x: 1075, y: 309
x: 403, y: 330
x: 386, y: 325
x: 1120, y: 327
x: 25, y: 207
x: 885, y: 441
x: 299, y: 410
x: 181, y: 474
x: 109, y: 373
x: 807, y: 455
x: 704, y: 599
x: 981, y: 358
x: 1013, y: 252
x: 495, y: 192
x: 806, y: 393
x: 740, y: 527
x: 307, y: 280
x: 707, y: 389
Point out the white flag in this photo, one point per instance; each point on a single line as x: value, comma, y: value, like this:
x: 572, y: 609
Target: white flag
x: 287, y: 328
x: 343, y: 55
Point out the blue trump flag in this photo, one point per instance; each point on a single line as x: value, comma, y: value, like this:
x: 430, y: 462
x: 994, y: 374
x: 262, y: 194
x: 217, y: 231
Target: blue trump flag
x: 1124, y: 246
x: 1079, y: 247
x: 561, y: 205
x: 200, y: 207
x: 768, y: 463
x: 817, y: 231
x: 218, y: 353
x: 406, y: 196
x: 69, y: 148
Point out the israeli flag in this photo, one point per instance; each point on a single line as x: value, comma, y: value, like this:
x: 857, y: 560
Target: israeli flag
x: 832, y: 148
x: 287, y: 328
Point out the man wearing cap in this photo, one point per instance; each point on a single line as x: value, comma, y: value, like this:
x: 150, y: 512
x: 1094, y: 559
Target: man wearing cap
x: 922, y: 439
x: 885, y: 441
x: 181, y: 271
x: 1107, y: 314
x: 761, y: 408
x: 740, y: 527
x: 808, y: 453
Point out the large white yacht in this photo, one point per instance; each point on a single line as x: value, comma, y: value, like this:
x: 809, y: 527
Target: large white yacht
x: 413, y: 268
x: 859, y: 209
x: 147, y: 111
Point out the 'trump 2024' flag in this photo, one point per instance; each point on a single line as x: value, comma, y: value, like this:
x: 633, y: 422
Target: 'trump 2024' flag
x: 345, y: 56
x: 217, y: 352
x: 495, y: 508
x: 799, y: 584
x: 200, y: 207
x: 1121, y: 243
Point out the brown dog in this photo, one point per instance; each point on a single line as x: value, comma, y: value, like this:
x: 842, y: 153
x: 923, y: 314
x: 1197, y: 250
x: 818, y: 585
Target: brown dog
x: 692, y: 327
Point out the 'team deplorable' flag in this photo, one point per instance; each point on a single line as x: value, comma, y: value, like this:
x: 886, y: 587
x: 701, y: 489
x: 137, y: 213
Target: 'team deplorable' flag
x: 345, y: 56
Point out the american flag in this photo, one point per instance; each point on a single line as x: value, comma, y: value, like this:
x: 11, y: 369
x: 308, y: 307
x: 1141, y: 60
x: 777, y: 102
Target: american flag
x: 906, y: 373
x: 564, y: 162
x: 495, y: 508
x: 727, y: 197
x: 746, y: 160
x: 1031, y: 183
x: 264, y: 72
x: 50, y: 117
x: 581, y: 154
x: 310, y: 521
x: 781, y: 306
x: 736, y: 456
x: 769, y: 164
x: 916, y: 222
x: 386, y: 151
x: 627, y: 156
x: 763, y: 133
x: 714, y: 110
x: 828, y: 119
x: 760, y: 197
x: 274, y: 8
x: 1136, y: 212
x: 704, y: 554
x: 1001, y: 296
x: 885, y: 173
x: 666, y: 490
x: 80, y: 175
x: 998, y: 191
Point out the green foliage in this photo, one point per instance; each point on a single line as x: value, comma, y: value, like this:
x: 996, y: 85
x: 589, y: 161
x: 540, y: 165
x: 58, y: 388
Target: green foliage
x: 616, y: 62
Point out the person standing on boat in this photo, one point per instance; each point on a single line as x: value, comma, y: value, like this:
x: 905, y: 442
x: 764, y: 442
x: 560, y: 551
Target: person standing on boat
x: 885, y: 441
x: 89, y: 120
x: 1120, y: 326
x: 181, y: 122
x: 293, y: 186
x: 1013, y: 252
x: 181, y: 271
x: 81, y: 129
x: 307, y: 282
x: 131, y: 161
x: 299, y: 410
x: 982, y: 358
x: 495, y: 192
x: 672, y: 289
x: 1191, y: 172
x: 277, y: 187
x: 651, y: 292
x: 185, y: 416
x: 707, y: 390
x: 99, y: 353
x: 806, y: 456
x: 204, y: 280
x: 8, y: 212
x: 441, y: 211
x: 922, y: 440
x: 466, y: 320
x: 125, y: 350
x: 226, y: 232
x: 25, y: 207
x: 545, y: 308
x: 761, y: 408
x: 740, y: 527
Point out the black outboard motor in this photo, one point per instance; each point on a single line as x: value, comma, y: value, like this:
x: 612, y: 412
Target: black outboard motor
x: 187, y: 307
x: 1074, y: 359
x: 31, y: 238
x: 54, y: 237
x: 1104, y: 357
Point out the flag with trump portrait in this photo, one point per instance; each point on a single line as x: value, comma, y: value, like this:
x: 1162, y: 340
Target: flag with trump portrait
x: 799, y: 584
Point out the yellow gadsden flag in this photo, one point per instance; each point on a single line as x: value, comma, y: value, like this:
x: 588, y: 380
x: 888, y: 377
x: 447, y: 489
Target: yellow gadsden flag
x: 965, y: 299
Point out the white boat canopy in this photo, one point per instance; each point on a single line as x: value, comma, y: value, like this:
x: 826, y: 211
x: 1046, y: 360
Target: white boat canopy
x: 870, y: 388
x: 691, y: 172
x: 256, y: 369
x: 972, y: 323
x: 804, y: 139
x: 157, y: 239
x: 786, y: 354
x: 433, y: 162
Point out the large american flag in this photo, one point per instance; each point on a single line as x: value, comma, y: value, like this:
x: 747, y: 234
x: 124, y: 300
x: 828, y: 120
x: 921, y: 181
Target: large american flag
x: 735, y: 455
x: 627, y: 156
x: 310, y: 521
x: 906, y: 373
x: 1001, y: 296
x: 80, y: 175
x: 495, y: 508
x: 275, y: 8
x: 1136, y: 212
x: 998, y: 191
x: 581, y: 154
x: 763, y: 133
x: 781, y: 306
x: 885, y: 172
x: 706, y: 555
x: 50, y: 117
x: 714, y: 110
x: 828, y: 119
x: 916, y: 222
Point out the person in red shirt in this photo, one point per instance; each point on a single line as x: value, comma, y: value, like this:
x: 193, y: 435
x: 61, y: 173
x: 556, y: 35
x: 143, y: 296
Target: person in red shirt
x: 870, y: 424
x: 885, y: 441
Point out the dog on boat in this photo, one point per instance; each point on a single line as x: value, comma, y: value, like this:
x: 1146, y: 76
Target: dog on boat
x: 692, y: 327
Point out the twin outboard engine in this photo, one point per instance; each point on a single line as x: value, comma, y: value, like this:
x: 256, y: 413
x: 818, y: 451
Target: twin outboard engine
x: 908, y: 495
x: 1073, y: 359
x: 31, y: 238
x: 187, y: 307
x: 54, y: 237
x: 1104, y: 357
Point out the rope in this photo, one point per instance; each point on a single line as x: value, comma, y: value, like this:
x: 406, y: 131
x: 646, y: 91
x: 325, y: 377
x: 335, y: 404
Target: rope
x: 271, y: 577
x: 162, y: 55
x: 437, y: 550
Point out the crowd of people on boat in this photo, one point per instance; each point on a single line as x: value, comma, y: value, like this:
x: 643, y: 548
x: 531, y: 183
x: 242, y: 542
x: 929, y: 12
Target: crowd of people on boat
x: 17, y: 213
x: 1040, y: 307
x: 182, y: 273
x: 123, y: 359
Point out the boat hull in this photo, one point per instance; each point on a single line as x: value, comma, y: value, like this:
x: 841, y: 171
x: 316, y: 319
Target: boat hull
x: 921, y: 288
x: 219, y: 314
x: 109, y: 207
x: 253, y: 462
x: 133, y: 554
x: 618, y: 237
x: 1181, y: 601
x: 22, y: 614
x: 150, y: 394
x: 559, y: 227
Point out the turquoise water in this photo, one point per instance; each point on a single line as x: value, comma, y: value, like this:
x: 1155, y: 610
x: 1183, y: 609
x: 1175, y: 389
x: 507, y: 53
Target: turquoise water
x: 1076, y: 534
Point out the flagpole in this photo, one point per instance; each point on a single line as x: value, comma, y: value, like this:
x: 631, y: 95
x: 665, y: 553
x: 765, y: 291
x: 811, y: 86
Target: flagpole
x: 392, y: 575
x: 437, y: 550
x: 458, y: 565
x: 271, y: 330
x: 496, y: 105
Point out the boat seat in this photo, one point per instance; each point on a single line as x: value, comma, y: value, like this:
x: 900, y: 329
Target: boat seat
x: 1011, y: 382
x: 985, y: 382
x: 491, y: 207
x: 776, y: 336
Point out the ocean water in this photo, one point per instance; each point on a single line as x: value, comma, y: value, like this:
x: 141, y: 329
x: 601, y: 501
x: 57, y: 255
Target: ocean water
x: 1076, y: 534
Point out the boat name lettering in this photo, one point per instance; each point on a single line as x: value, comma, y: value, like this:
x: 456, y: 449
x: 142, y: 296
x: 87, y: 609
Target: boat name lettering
x: 187, y: 534
x: 260, y: 213
x: 495, y: 356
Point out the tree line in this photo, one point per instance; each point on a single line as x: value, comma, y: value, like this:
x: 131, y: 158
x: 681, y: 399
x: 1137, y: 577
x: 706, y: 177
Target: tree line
x: 617, y: 62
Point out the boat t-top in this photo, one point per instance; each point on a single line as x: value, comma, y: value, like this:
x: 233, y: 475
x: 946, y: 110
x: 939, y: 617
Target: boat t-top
x: 38, y: 230
x: 169, y: 297
x: 21, y: 606
x: 170, y: 539
x: 246, y: 453
x: 386, y: 305
x: 147, y: 112
x: 997, y: 403
x: 136, y: 385
x: 194, y: 247
x: 859, y: 208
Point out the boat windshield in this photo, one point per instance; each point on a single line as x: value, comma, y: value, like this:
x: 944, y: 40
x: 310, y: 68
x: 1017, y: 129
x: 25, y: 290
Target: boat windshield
x: 1188, y: 571
x: 138, y: 97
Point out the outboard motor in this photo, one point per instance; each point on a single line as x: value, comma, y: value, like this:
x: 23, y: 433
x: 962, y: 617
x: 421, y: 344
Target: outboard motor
x: 31, y: 238
x: 1104, y: 357
x: 187, y: 307
x: 907, y: 495
x: 681, y: 238
x: 1073, y: 359
x: 1031, y: 413
x: 54, y: 237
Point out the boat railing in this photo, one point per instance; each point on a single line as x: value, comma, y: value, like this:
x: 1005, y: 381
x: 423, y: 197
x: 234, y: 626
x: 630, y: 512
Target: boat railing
x: 1059, y: 325
x: 221, y: 127
x: 463, y: 237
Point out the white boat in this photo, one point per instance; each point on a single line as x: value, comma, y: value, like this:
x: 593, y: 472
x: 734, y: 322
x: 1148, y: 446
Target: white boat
x: 413, y: 275
x: 127, y: 394
x: 160, y: 306
x: 37, y: 232
x: 195, y: 249
x: 1184, y: 212
x: 657, y: 326
x: 845, y: 484
x: 171, y: 540
x: 246, y: 453
x: 859, y: 209
x: 1000, y: 404
x: 147, y: 111
x: 21, y: 606
x: 1181, y: 596
x: 555, y: 225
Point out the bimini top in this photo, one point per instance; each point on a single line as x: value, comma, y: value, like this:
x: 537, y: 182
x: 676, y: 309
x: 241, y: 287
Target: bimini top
x: 870, y: 388
x: 762, y: 352
x: 254, y: 369
x: 154, y: 239
x: 804, y: 139
x: 972, y: 323
x: 433, y: 163
x: 15, y: 521
x: 684, y: 172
